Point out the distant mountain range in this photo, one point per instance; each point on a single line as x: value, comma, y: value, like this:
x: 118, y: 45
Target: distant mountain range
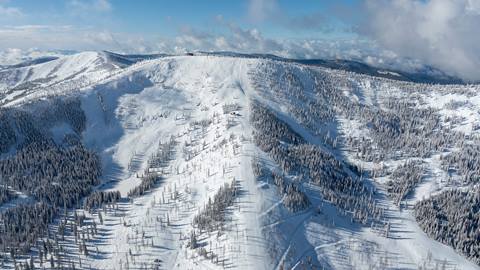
x: 235, y: 161
x: 427, y: 74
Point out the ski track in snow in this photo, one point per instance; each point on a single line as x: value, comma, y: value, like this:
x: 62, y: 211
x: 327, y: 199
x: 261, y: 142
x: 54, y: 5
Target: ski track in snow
x: 149, y: 102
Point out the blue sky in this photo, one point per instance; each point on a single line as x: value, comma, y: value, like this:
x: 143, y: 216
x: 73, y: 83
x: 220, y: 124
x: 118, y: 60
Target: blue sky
x: 168, y: 18
x: 405, y: 34
x: 288, y: 28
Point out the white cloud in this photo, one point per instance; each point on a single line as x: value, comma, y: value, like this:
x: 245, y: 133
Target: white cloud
x: 65, y: 37
x: 437, y: 32
x: 10, y: 56
x: 234, y: 38
x: 231, y: 38
x: 403, y: 34
x: 10, y: 12
x: 90, y: 5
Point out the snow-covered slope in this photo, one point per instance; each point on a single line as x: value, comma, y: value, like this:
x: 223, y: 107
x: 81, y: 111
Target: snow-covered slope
x: 67, y: 72
x: 224, y: 122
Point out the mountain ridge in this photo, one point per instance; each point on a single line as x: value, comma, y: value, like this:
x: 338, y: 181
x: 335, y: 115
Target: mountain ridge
x: 237, y: 162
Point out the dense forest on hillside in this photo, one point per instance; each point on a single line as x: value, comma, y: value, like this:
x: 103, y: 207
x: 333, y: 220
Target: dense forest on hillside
x: 55, y: 175
x: 394, y: 127
x: 339, y: 182
x: 453, y: 218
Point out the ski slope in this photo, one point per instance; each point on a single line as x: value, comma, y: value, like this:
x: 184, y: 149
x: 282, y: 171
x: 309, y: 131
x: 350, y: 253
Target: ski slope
x: 131, y: 109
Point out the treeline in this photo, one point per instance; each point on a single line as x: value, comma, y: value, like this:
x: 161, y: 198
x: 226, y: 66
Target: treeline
x: 260, y: 171
x: 21, y: 127
x: 387, y: 127
x: 7, y: 133
x: 56, y: 175
x: 401, y: 130
x: 398, y: 128
x: 294, y: 199
x: 22, y: 225
x: 230, y: 108
x: 295, y: 156
x: 453, y: 218
x: 316, y: 111
x: 466, y: 162
x: 62, y: 110
x: 99, y: 198
x: 163, y: 155
x: 147, y: 182
x: 404, y: 179
x: 158, y: 160
x: 212, y: 216
x: 284, y: 86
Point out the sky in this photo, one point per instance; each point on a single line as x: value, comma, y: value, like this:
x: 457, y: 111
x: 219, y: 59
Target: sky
x: 404, y: 34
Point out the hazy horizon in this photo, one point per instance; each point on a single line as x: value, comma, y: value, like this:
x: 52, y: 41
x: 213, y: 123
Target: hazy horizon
x: 405, y: 34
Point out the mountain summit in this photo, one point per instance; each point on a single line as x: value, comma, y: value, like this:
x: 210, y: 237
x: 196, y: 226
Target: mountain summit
x: 213, y: 161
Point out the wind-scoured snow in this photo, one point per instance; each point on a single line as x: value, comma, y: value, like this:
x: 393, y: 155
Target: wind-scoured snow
x: 131, y: 110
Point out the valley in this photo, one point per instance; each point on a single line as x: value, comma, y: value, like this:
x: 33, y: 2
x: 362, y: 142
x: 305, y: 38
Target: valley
x: 235, y: 162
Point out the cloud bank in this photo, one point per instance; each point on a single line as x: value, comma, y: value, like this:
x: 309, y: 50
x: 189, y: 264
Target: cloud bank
x: 22, y: 42
x: 441, y: 33
x: 398, y: 34
x: 90, y: 5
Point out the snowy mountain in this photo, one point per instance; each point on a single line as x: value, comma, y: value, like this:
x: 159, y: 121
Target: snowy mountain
x: 214, y: 161
x: 423, y: 74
